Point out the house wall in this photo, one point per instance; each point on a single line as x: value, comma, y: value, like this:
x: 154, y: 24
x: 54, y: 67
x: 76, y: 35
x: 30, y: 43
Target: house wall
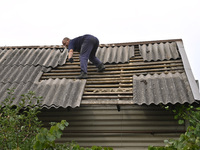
x: 133, y: 127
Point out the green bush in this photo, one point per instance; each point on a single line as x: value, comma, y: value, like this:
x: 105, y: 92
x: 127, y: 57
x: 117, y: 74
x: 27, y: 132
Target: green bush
x: 19, y: 124
x: 20, y: 128
x: 191, y: 139
x: 45, y: 139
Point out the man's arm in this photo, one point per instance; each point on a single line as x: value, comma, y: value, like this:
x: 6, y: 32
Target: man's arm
x: 70, y: 55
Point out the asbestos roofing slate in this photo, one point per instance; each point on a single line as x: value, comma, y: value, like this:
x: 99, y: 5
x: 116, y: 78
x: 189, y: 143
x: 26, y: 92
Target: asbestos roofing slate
x: 159, y: 51
x: 163, y: 88
x: 116, y: 54
x: 20, y: 74
x: 54, y: 93
x: 40, y: 56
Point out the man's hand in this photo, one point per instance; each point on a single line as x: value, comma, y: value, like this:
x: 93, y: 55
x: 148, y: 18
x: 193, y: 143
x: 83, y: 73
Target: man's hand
x: 71, y: 60
x: 70, y: 56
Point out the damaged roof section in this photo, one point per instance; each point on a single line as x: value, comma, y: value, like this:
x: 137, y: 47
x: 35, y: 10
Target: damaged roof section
x: 150, y: 64
x: 150, y: 72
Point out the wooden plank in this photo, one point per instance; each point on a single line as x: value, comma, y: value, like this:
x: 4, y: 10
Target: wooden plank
x: 114, y: 72
x: 111, y: 78
x: 110, y: 85
x: 109, y: 93
x: 119, y: 66
x: 108, y: 89
x: 107, y: 97
x: 108, y: 81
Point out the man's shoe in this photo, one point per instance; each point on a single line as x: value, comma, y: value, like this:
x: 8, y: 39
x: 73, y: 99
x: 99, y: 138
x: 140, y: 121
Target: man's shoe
x: 83, y: 75
x: 101, y: 68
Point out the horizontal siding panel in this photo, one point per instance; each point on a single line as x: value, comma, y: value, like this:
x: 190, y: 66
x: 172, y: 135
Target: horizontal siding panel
x: 116, y: 117
x: 112, y: 122
x: 108, y: 112
x: 131, y: 127
x: 120, y: 141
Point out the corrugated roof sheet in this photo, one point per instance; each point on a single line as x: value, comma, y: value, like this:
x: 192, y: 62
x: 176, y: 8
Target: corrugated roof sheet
x: 60, y: 92
x: 55, y: 93
x: 48, y: 57
x: 115, y: 54
x: 21, y: 68
x: 161, y: 89
x: 159, y: 51
x: 20, y: 74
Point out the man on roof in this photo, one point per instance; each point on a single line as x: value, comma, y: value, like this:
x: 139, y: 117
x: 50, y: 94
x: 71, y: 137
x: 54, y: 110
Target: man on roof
x: 87, y: 46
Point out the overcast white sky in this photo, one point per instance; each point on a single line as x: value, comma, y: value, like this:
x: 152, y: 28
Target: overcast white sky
x: 46, y: 22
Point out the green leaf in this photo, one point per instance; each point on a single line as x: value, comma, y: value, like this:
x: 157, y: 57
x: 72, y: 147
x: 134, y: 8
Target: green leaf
x: 167, y: 107
x: 40, y: 137
x: 181, y: 121
x: 198, y: 108
x: 38, y: 146
x: 55, y: 131
x: 50, y: 137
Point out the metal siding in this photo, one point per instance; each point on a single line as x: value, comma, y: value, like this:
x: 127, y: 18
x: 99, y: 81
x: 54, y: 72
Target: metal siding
x: 134, y: 127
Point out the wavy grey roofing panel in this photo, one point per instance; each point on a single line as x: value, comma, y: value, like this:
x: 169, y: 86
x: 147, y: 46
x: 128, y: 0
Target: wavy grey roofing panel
x: 55, y: 93
x: 161, y: 51
x: 163, y: 88
x: 3, y: 89
x: 61, y: 93
x: 20, y: 73
x: 41, y: 56
x: 115, y: 54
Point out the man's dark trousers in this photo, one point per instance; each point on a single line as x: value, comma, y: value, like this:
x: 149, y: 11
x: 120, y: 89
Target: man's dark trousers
x: 88, y: 51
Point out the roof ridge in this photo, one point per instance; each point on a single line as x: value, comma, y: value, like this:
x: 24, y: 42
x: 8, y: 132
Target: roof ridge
x: 101, y: 45
x: 34, y: 46
x: 140, y: 42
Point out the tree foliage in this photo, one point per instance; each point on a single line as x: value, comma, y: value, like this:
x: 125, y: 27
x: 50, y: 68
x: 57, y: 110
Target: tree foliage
x: 19, y: 124
x: 20, y: 128
x: 190, y: 140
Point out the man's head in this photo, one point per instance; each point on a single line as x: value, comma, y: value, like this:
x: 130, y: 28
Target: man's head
x: 65, y: 41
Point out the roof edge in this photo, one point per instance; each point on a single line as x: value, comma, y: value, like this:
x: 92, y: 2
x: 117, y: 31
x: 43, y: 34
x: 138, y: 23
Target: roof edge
x: 140, y: 42
x: 101, y: 45
x: 34, y: 46
x: 188, y: 70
